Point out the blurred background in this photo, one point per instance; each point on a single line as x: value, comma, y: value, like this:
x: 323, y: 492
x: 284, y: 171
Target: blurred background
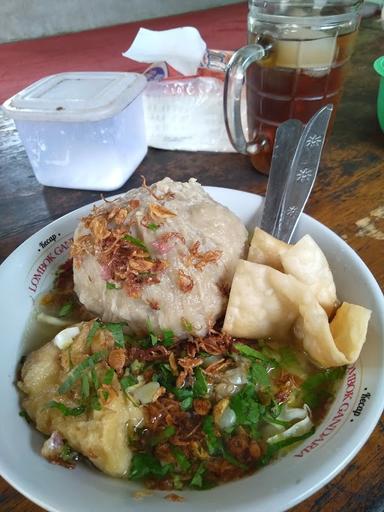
x: 28, y: 19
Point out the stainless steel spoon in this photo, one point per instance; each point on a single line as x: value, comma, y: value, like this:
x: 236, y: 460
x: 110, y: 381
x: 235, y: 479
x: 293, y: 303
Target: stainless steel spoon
x: 295, y: 161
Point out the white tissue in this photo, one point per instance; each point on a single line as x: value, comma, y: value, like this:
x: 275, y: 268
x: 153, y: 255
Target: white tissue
x: 182, y: 48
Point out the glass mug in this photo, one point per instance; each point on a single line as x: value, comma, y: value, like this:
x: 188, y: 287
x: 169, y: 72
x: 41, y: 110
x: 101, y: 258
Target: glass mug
x: 294, y: 64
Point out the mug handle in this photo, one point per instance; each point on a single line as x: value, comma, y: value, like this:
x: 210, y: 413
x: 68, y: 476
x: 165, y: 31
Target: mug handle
x: 233, y: 85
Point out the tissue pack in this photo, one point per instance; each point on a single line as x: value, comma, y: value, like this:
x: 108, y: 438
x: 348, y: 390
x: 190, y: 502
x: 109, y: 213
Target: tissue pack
x: 183, y: 101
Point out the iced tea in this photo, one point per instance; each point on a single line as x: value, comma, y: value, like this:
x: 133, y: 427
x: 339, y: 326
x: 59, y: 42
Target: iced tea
x: 300, y: 76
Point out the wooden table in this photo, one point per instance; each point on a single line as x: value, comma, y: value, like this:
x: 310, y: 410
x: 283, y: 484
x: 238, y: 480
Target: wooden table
x: 348, y: 196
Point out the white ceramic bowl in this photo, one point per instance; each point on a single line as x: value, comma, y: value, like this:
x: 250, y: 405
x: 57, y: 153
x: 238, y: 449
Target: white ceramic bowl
x: 279, y: 486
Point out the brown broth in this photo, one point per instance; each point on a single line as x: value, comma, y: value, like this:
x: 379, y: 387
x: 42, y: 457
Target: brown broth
x: 240, y: 451
x: 38, y: 332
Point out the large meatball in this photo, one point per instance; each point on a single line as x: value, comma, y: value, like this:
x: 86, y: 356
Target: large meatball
x: 161, y: 256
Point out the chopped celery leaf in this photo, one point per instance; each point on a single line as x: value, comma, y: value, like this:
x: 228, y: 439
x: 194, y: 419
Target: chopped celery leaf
x: 76, y: 373
x: 200, y: 387
x: 66, y: 411
x: 247, y: 351
x: 146, y: 465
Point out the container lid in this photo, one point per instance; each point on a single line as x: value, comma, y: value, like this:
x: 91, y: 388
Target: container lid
x: 76, y: 97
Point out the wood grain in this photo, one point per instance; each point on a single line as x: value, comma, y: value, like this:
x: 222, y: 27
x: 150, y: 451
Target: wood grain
x: 349, y: 192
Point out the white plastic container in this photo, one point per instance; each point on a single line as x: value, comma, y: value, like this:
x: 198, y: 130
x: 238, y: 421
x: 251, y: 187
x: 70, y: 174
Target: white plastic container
x: 82, y: 130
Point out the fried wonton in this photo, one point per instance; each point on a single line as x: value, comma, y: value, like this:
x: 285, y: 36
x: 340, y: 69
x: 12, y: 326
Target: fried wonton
x: 327, y: 344
x: 266, y: 249
x: 303, y: 260
x: 256, y: 309
x: 306, y: 261
x: 265, y: 302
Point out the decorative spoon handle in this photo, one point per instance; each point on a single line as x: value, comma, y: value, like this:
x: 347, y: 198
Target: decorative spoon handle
x: 286, y: 140
x: 295, y: 162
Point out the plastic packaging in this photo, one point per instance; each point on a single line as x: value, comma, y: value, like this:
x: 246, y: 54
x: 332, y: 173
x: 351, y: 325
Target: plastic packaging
x: 183, y: 103
x: 82, y: 130
x: 186, y: 114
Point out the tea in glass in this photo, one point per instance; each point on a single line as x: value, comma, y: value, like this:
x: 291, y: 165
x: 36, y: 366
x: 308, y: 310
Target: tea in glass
x: 295, y: 64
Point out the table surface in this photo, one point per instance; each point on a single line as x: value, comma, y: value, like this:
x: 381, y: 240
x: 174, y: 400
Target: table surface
x: 348, y: 195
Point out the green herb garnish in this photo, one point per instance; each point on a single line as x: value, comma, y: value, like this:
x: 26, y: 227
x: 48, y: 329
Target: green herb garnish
x: 163, y: 436
x: 272, y: 414
x: 271, y: 354
x: 164, y: 376
x: 177, y: 482
x: 274, y: 421
x: 112, y: 286
x: 108, y: 377
x: 153, y: 338
x: 181, y: 458
x: 84, y: 386
x: 95, y: 403
x: 128, y: 381
x: 68, y: 455
x: 76, y: 373
x: 92, y: 331
x: 197, y: 480
x: 259, y: 375
x: 95, y: 379
x: 200, y: 387
x: 187, y: 403
x: 275, y: 409
x: 184, y: 396
x: 183, y: 393
x: 249, y: 411
x: 247, y: 351
x: 152, y: 226
x: 230, y: 458
x: 117, y: 332
x: 213, y: 441
x: 137, y: 366
x: 25, y: 415
x: 66, y: 309
x: 105, y: 394
x: 187, y: 326
x: 146, y: 465
x: 135, y: 241
x: 168, y: 337
x: 66, y: 411
x: 275, y: 447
